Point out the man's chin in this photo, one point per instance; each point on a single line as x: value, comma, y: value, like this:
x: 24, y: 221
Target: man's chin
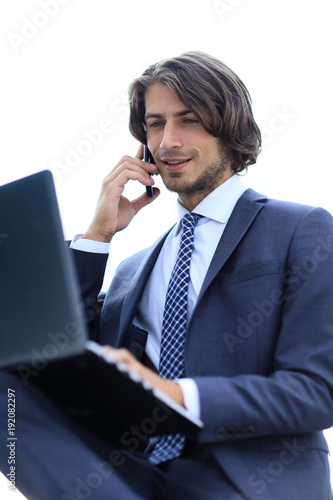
x: 173, y: 182
x: 175, y: 185
x: 181, y: 188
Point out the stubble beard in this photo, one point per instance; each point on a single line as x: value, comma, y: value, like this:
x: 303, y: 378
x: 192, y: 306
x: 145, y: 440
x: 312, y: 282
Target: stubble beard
x: 209, y: 179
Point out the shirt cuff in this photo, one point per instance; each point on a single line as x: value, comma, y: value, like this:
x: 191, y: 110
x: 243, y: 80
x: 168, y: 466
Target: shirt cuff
x: 91, y: 246
x: 191, y: 396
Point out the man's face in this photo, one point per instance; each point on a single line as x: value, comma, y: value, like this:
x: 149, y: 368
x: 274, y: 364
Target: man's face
x: 190, y: 160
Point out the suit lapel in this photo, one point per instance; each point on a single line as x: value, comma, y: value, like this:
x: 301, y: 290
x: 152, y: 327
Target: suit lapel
x: 245, y: 211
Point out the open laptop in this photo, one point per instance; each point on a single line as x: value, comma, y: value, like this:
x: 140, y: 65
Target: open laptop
x: 43, y: 336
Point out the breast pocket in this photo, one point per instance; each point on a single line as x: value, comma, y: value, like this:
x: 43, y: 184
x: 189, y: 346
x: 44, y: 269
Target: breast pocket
x: 251, y: 272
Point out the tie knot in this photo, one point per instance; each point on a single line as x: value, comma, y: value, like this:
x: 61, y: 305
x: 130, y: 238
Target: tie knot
x: 189, y: 221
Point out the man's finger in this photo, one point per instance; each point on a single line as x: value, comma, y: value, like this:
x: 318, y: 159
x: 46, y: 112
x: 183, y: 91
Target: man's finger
x: 144, y: 200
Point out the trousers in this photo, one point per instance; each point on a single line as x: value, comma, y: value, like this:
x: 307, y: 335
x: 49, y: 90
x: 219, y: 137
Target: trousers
x: 56, y: 459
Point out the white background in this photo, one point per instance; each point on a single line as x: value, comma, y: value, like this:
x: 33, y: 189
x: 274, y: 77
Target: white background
x: 66, y: 71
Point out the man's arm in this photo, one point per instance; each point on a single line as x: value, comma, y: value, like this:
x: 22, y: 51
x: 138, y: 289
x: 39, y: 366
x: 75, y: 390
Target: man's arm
x: 113, y: 213
x: 90, y: 269
x: 297, y: 396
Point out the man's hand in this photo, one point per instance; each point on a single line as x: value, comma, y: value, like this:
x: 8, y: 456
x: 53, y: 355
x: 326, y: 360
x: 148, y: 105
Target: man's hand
x: 114, y: 212
x: 169, y: 387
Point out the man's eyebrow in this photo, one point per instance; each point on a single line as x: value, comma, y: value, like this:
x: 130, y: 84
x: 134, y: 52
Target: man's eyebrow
x: 159, y: 115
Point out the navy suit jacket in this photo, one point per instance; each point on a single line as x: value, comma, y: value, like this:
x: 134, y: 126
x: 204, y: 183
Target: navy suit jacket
x: 259, y: 344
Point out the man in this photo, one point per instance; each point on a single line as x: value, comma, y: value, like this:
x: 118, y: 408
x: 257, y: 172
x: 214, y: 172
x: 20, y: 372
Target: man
x: 246, y: 344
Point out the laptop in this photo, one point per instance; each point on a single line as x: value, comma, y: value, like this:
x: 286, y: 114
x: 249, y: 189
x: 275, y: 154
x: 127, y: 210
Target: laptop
x: 43, y: 336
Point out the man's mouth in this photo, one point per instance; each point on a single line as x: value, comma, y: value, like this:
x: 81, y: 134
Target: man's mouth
x: 175, y: 164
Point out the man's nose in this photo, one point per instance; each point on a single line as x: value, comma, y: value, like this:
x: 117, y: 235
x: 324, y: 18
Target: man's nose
x: 171, y: 137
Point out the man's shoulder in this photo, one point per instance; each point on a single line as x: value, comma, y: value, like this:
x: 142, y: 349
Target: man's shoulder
x: 284, y: 208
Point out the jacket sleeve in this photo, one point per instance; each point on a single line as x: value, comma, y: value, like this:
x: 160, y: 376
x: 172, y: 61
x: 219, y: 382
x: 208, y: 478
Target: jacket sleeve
x: 297, y: 396
x: 90, y: 269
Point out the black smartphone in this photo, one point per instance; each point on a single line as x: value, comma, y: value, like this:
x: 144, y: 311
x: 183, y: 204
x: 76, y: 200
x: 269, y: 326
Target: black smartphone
x: 147, y: 156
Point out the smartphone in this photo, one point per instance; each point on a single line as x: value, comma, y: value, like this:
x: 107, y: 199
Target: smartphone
x: 147, y: 156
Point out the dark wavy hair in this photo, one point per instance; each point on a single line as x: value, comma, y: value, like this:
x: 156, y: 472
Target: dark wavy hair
x: 213, y: 92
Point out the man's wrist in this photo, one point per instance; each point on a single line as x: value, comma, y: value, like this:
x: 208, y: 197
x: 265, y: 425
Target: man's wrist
x: 93, y: 236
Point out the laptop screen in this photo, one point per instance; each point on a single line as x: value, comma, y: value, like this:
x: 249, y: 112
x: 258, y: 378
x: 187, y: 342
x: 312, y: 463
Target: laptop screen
x: 40, y: 316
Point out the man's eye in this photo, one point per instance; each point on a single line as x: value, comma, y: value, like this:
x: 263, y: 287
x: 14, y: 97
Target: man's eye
x: 154, y: 124
x: 191, y: 121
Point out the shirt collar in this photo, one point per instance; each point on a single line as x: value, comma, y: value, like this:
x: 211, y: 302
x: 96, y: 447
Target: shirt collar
x: 219, y: 204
